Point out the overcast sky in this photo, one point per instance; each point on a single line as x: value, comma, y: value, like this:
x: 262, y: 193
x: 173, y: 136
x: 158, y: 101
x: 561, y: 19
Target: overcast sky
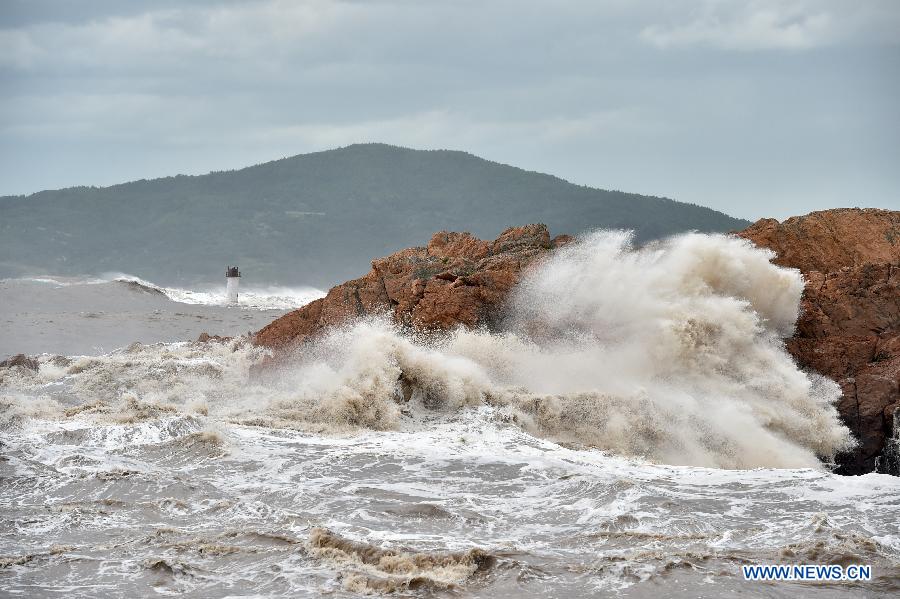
x: 756, y: 108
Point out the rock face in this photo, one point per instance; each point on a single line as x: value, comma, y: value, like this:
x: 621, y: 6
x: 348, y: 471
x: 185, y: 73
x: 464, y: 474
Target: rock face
x: 849, y: 327
x: 456, y: 279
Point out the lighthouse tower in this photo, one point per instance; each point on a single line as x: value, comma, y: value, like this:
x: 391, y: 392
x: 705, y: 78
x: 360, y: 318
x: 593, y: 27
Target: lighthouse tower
x: 232, y: 279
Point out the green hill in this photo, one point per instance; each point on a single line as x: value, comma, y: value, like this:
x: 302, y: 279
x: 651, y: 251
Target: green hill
x: 311, y: 219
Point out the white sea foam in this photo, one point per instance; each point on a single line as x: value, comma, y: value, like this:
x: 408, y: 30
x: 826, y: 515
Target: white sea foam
x: 259, y: 298
x: 463, y: 462
x: 422, y: 508
x: 62, y: 281
x: 670, y: 353
x: 265, y: 297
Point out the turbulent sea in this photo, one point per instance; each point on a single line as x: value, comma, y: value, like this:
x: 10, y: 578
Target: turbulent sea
x: 632, y: 428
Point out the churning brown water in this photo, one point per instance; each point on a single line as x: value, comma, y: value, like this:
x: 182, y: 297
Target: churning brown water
x: 635, y: 430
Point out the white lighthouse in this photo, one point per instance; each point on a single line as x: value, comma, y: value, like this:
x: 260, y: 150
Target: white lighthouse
x: 232, y: 280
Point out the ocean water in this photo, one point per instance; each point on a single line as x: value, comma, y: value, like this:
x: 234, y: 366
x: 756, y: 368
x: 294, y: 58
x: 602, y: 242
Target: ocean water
x: 69, y: 316
x: 634, y: 429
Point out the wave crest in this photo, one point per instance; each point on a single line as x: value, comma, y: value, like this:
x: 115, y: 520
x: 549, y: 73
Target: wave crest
x: 369, y: 568
x: 670, y: 353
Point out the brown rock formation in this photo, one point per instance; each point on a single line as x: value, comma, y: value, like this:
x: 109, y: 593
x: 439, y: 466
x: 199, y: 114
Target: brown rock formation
x: 829, y: 240
x: 22, y: 361
x: 206, y: 338
x: 849, y: 327
x: 456, y: 279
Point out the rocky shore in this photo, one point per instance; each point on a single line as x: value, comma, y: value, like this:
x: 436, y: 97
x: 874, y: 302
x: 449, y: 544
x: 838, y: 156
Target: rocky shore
x: 849, y: 326
x: 848, y: 330
x: 456, y: 279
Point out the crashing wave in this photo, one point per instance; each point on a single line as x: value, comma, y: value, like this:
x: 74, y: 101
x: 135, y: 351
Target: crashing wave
x: 670, y: 353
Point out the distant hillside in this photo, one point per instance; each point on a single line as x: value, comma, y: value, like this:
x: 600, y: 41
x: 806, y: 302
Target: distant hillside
x: 314, y: 218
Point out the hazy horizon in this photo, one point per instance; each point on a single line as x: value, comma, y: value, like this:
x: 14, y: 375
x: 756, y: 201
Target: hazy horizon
x: 755, y: 109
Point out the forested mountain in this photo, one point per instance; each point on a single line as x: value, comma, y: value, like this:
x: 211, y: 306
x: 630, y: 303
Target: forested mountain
x: 311, y: 219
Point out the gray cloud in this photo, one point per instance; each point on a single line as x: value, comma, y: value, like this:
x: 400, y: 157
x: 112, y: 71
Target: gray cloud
x: 767, y: 24
x: 759, y: 108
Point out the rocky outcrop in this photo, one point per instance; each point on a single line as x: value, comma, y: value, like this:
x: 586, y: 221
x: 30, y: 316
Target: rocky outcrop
x: 849, y: 327
x: 848, y: 330
x: 22, y: 361
x: 206, y: 338
x: 455, y: 280
x: 829, y: 240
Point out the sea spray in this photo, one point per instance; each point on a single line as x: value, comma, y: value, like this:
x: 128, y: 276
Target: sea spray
x: 674, y: 351
x: 670, y: 353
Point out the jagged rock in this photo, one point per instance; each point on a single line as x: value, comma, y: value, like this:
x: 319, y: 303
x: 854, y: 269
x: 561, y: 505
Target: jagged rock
x: 22, y: 361
x: 829, y: 240
x: 206, y: 338
x: 456, y: 279
x: 849, y: 326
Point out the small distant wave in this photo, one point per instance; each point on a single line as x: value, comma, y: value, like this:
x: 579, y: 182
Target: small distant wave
x: 142, y: 286
x: 257, y: 298
x: 47, y: 280
x: 60, y: 281
x: 271, y: 297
